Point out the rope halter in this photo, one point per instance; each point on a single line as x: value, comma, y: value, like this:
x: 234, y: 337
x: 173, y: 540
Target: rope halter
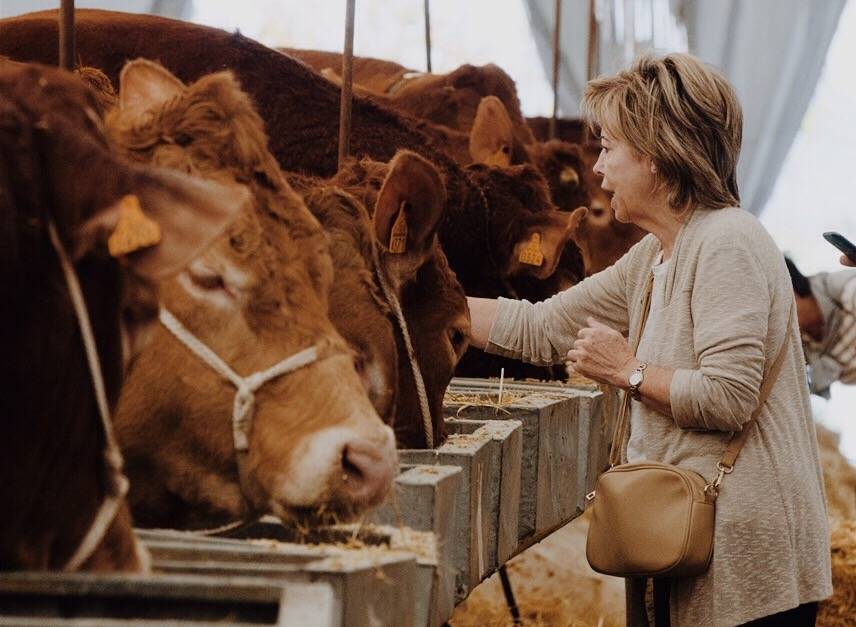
x: 244, y: 404
x: 117, y: 484
x: 392, y: 300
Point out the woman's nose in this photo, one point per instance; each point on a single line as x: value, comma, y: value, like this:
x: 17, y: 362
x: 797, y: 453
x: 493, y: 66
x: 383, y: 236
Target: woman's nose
x: 598, y: 166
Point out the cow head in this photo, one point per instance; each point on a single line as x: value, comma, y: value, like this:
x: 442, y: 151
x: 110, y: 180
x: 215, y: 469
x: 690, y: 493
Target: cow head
x: 50, y: 135
x: 524, y: 232
x: 259, y: 295
x: 408, y: 200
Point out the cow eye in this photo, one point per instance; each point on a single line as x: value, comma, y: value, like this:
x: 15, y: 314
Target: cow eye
x: 207, y: 280
x: 457, y: 337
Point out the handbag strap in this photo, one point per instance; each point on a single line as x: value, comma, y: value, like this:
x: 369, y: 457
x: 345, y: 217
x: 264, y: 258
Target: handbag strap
x: 624, y: 409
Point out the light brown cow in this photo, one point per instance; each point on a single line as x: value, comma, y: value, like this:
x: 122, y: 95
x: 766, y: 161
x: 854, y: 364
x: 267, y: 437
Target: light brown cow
x: 313, y: 443
x: 64, y: 506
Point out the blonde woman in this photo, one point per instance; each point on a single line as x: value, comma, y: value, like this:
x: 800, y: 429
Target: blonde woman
x: 671, y: 130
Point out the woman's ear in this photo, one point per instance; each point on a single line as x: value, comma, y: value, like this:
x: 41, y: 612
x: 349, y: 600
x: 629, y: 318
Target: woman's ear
x: 653, y: 168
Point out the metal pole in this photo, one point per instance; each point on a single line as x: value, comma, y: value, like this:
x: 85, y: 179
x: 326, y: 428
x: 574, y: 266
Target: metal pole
x: 428, y: 35
x: 509, y: 596
x: 66, y: 34
x: 629, y: 31
x: 347, y: 85
x: 557, y: 26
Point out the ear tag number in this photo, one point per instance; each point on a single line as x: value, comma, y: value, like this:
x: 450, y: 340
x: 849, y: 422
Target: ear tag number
x: 531, y: 253
x: 134, y: 230
x: 398, y: 235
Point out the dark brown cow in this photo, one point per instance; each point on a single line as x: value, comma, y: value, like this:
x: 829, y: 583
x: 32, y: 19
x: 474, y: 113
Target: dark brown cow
x: 301, y: 110
x: 55, y: 167
x: 259, y: 296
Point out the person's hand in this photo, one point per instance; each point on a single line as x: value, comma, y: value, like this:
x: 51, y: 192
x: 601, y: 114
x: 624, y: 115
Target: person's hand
x: 601, y: 353
x: 844, y: 260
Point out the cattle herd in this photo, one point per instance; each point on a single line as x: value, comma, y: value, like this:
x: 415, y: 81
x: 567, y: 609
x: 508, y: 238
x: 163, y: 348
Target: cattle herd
x: 206, y: 318
x: 189, y: 277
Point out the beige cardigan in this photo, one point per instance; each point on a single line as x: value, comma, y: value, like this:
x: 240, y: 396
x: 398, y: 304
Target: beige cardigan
x: 726, y: 304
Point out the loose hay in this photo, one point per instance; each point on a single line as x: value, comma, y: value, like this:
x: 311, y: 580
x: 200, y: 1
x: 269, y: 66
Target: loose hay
x: 840, y: 610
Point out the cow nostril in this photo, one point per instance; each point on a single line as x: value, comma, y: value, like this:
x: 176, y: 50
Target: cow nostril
x: 367, y: 472
x: 350, y: 470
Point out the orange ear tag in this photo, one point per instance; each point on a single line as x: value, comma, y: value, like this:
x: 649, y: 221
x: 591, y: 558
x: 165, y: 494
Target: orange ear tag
x: 398, y: 235
x: 531, y: 253
x: 134, y: 230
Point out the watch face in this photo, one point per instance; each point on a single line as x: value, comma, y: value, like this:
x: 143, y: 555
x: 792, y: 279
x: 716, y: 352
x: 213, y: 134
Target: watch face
x: 635, y: 378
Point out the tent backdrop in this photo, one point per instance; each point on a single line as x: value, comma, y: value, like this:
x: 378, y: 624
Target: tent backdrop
x: 771, y: 50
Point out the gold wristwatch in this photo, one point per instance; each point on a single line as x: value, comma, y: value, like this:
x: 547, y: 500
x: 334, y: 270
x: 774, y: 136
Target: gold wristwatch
x: 635, y: 380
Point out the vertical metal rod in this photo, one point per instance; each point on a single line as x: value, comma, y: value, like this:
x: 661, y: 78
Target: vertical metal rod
x: 557, y: 28
x: 509, y: 595
x: 66, y: 34
x: 347, y: 85
x: 428, y: 35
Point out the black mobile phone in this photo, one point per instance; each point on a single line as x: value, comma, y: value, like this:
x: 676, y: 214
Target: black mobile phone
x: 841, y: 243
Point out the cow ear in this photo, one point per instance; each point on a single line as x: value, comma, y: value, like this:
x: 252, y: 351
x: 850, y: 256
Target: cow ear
x: 538, y: 250
x: 407, y: 213
x: 171, y: 218
x: 492, y: 134
x: 145, y: 85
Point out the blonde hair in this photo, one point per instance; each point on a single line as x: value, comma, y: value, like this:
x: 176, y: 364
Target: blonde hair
x: 684, y: 116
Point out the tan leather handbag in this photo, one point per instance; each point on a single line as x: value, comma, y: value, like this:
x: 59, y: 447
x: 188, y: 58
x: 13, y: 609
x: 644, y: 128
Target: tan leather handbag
x: 651, y: 519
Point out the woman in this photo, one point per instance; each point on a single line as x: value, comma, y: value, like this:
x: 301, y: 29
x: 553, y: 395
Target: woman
x: 671, y: 132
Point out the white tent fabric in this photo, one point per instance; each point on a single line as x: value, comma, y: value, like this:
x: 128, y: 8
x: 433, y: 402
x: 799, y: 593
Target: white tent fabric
x: 772, y: 51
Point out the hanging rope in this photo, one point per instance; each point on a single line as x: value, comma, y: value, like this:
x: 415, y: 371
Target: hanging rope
x: 116, y: 483
x: 557, y: 28
x: 66, y: 35
x: 347, y: 86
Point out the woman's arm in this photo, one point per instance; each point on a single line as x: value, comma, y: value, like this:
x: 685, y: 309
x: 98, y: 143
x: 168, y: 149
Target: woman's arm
x: 482, y: 314
x: 601, y: 353
x: 731, y: 307
x: 543, y: 333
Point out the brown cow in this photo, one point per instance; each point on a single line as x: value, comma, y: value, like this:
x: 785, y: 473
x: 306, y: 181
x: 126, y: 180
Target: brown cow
x: 432, y: 300
x: 56, y: 169
x: 259, y: 296
x: 452, y: 100
x: 301, y: 111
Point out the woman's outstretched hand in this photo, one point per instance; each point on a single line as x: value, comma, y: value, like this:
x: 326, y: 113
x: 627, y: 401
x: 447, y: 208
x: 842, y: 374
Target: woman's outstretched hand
x: 601, y: 353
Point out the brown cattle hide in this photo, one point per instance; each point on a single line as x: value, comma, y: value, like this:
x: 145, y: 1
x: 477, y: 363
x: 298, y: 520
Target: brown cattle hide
x: 258, y: 296
x: 52, y: 471
x: 486, y: 208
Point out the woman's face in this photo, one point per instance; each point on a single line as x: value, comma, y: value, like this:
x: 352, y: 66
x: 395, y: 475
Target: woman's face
x: 628, y: 175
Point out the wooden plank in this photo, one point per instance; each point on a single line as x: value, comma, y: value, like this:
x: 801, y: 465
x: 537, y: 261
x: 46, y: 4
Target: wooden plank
x: 370, y: 584
x: 506, y: 446
x: 112, y: 599
x: 550, y: 443
x: 424, y: 498
x: 471, y: 454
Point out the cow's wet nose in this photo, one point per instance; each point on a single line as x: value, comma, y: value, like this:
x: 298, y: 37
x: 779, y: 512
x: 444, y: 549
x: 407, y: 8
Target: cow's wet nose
x: 368, y: 469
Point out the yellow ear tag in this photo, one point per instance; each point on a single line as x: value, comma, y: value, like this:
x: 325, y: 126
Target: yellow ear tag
x: 134, y: 230
x: 531, y: 253
x: 398, y: 235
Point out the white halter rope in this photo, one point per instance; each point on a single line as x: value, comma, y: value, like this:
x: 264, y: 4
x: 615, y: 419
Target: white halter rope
x: 117, y: 483
x: 392, y: 299
x: 245, y: 399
